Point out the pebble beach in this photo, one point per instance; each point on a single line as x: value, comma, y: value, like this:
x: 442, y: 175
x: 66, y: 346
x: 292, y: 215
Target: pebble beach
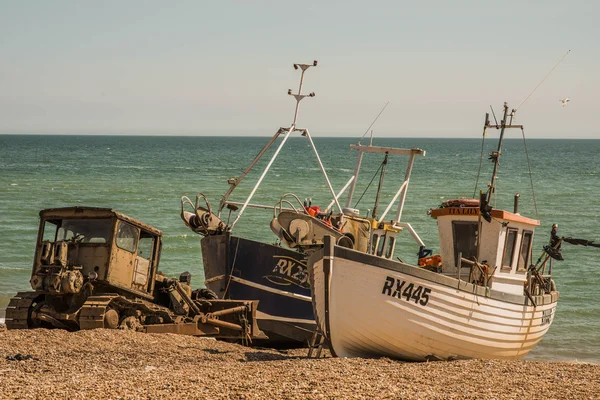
x: 116, y: 364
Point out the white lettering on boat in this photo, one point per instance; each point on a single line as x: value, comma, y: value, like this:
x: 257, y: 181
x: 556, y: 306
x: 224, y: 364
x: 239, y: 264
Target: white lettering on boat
x: 288, y: 271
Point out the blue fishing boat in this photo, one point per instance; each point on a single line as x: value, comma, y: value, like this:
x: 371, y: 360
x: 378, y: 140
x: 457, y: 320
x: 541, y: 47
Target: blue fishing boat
x: 242, y: 268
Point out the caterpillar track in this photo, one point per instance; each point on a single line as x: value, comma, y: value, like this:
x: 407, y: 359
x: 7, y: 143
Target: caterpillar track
x: 96, y: 314
x: 18, y: 312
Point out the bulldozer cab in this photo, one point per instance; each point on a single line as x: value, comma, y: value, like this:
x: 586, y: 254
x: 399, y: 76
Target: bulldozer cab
x: 99, y: 245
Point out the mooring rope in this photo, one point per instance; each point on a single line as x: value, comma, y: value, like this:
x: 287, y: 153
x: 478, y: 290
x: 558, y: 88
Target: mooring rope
x: 530, y: 176
x: 232, y: 267
x: 369, y: 185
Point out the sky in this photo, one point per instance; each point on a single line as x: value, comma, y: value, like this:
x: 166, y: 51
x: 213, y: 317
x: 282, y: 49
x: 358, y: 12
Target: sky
x: 224, y: 67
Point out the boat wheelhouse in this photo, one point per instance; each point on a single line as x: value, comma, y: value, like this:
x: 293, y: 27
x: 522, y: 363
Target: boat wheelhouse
x: 508, y: 244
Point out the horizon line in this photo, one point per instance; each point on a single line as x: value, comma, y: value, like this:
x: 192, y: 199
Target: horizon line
x: 267, y: 136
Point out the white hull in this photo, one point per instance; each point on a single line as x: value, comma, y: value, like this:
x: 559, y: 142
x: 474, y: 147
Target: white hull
x: 356, y: 309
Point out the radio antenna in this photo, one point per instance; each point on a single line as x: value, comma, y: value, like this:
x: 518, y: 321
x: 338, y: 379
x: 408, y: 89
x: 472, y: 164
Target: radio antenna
x: 373, y: 123
x: 546, y: 77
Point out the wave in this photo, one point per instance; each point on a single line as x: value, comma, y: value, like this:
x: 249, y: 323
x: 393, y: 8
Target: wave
x: 15, y: 268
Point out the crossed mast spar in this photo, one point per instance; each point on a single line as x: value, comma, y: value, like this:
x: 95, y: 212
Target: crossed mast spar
x: 286, y: 132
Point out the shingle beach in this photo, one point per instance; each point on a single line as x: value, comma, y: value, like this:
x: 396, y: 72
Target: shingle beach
x: 114, y: 364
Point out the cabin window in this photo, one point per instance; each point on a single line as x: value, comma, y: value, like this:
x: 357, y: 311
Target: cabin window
x: 380, y: 246
x: 390, y: 247
x: 525, y: 253
x: 465, y: 239
x: 145, y: 246
x: 49, y: 231
x: 509, y: 248
x: 127, y: 237
x: 84, y: 230
x: 374, y: 243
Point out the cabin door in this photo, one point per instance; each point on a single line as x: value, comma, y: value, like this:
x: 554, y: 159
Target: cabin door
x: 465, y: 239
x: 144, y: 262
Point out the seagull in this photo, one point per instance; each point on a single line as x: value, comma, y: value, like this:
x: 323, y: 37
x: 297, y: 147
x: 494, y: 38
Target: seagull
x: 564, y: 101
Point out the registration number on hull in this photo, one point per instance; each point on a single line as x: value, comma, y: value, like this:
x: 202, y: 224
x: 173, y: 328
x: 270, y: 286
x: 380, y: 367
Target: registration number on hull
x: 547, y: 316
x: 406, y: 290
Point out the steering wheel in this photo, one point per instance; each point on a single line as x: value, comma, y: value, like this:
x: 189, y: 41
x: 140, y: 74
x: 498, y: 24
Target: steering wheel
x: 78, y: 238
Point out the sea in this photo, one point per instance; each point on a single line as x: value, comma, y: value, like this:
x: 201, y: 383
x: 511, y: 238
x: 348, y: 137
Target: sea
x: 146, y: 177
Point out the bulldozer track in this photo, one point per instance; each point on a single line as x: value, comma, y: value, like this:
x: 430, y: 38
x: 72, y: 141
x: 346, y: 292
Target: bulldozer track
x: 92, y: 312
x: 18, y: 310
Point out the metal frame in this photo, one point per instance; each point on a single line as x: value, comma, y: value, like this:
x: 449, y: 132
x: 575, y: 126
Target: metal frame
x: 403, y: 187
x: 287, y: 131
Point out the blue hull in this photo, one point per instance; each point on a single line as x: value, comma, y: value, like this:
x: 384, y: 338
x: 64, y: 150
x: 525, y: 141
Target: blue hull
x: 243, y: 269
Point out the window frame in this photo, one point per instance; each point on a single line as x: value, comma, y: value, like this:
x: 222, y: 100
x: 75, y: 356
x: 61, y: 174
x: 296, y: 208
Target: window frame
x: 143, y: 236
x: 374, y: 243
x: 527, y: 260
x: 136, y: 241
x: 509, y: 266
x: 46, y: 225
x: 391, y: 241
x: 381, y: 245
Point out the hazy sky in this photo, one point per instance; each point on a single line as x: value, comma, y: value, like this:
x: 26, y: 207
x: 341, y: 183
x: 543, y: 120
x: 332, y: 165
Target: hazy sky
x: 224, y: 67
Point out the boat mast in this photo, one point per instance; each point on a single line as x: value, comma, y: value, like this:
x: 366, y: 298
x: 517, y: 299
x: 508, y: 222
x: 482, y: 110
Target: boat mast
x: 236, y: 181
x: 287, y: 131
x: 495, y: 156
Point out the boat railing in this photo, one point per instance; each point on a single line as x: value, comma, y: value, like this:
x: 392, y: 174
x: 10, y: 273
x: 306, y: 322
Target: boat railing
x: 282, y: 200
x: 479, y: 273
x: 251, y: 205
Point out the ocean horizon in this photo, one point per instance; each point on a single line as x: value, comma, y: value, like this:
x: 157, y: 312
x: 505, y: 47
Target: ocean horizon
x: 146, y: 176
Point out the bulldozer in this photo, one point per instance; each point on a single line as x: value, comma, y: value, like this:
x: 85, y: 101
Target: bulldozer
x: 98, y: 268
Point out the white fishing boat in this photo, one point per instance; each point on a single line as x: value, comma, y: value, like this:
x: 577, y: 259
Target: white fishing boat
x: 483, y: 296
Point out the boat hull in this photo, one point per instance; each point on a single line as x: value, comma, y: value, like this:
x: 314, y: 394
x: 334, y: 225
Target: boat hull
x: 368, y: 306
x: 239, y: 268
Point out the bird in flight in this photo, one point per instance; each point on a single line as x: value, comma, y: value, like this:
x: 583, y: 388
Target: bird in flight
x: 564, y: 101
